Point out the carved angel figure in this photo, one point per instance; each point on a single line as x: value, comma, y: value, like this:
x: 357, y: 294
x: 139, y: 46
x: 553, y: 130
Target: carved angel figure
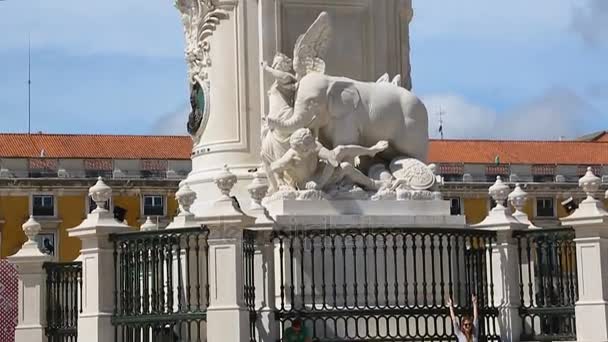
x: 309, y: 50
x: 308, y: 165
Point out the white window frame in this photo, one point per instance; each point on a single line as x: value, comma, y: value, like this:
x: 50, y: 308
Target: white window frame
x: 56, y: 245
x: 143, y: 201
x: 49, y: 194
x: 536, y: 199
x: 87, y: 205
x: 460, y: 202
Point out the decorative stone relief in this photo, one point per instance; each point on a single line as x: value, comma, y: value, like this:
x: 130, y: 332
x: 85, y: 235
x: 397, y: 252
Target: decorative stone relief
x: 314, y: 136
x: 200, y: 18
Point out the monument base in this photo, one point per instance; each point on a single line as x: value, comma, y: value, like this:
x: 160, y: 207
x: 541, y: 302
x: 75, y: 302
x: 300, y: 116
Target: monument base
x: 364, y: 213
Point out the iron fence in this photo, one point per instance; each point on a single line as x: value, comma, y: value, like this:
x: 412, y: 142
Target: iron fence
x: 548, y: 284
x: 383, y: 284
x: 63, y: 300
x: 249, y: 247
x: 161, y: 285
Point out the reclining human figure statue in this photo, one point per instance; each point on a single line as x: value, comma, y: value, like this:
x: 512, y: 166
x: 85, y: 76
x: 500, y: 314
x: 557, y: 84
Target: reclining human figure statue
x: 307, y: 165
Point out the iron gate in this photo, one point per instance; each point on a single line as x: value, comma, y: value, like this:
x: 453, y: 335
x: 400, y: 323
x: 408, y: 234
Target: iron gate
x: 63, y: 300
x: 548, y: 284
x: 161, y: 285
x: 384, y: 284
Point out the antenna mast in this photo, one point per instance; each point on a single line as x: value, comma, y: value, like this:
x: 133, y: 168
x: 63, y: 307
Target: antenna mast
x: 29, y: 84
x: 441, y: 114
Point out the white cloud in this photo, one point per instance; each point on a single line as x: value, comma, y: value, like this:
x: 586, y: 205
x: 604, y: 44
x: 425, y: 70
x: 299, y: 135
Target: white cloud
x: 590, y: 21
x: 556, y: 113
x: 173, y: 123
x: 462, y: 118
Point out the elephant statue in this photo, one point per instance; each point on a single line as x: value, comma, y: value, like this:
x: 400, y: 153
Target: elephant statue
x: 347, y: 112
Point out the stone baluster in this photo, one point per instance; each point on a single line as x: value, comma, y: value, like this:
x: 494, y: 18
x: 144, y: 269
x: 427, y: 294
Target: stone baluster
x: 32, y: 286
x: 518, y: 198
x: 227, y: 315
x: 98, y: 275
x: 185, y: 219
x: 590, y: 222
x: 267, y: 327
x: 504, y: 261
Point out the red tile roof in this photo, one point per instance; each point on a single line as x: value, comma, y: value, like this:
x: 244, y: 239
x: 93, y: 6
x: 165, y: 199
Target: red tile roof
x: 179, y: 147
x: 518, y: 152
x: 95, y: 146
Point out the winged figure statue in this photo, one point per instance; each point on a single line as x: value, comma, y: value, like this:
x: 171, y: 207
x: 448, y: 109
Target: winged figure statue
x: 309, y: 51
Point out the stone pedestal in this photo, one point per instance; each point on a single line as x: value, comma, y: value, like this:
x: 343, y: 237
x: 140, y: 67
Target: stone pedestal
x: 98, y: 274
x: 32, y: 288
x: 364, y: 213
x: 227, y: 314
x: 505, y: 261
x: 590, y: 222
x: 239, y: 35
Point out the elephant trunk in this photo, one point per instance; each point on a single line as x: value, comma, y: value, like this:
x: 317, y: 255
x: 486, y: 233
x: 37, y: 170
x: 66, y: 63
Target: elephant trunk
x: 303, y: 116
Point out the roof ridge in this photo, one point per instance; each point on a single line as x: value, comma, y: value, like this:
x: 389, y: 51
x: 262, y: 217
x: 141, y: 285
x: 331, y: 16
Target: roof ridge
x: 95, y: 135
x: 516, y: 141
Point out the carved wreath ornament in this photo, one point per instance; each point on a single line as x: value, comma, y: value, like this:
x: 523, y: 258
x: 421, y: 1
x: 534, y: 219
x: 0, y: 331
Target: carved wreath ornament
x: 200, y: 18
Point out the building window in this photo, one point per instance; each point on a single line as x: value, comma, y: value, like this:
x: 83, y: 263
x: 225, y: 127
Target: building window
x: 43, y: 205
x: 455, y: 206
x: 46, y: 243
x: 543, y: 178
x: 98, y: 173
x: 545, y: 207
x: 452, y: 177
x: 93, y: 205
x: 154, y: 205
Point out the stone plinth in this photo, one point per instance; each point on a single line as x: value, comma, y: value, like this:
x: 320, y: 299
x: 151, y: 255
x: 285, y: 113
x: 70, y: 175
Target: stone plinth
x: 364, y: 213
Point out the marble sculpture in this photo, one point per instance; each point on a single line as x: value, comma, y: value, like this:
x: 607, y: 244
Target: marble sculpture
x: 317, y: 125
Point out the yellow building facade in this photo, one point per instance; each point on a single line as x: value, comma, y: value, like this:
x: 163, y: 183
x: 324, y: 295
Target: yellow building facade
x: 71, y: 211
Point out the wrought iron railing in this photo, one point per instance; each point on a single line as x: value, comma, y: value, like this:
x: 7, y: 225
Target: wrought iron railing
x: 548, y: 283
x: 161, y: 287
x: 63, y: 300
x: 383, y: 284
x: 249, y: 247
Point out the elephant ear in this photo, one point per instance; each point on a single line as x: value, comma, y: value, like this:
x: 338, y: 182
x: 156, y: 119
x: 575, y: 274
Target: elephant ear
x: 344, y: 99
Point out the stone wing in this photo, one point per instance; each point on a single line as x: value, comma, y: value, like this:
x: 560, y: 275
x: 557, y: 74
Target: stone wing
x: 311, y: 47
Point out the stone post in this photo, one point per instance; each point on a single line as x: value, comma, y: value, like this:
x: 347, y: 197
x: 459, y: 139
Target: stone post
x: 266, y: 325
x: 32, y: 287
x: 504, y: 262
x: 590, y: 222
x: 98, y: 275
x: 196, y: 268
x: 227, y: 315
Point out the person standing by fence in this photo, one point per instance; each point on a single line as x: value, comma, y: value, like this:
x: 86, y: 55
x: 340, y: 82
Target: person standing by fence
x: 297, y: 332
x: 468, y: 329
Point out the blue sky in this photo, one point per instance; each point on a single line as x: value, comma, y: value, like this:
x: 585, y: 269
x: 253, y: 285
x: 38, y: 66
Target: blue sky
x: 499, y: 69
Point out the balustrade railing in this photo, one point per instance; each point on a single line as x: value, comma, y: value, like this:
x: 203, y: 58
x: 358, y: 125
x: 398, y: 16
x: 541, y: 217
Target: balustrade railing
x: 63, y: 300
x: 162, y: 288
x: 383, y: 284
x: 548, y: 283
x: 249, y: 248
